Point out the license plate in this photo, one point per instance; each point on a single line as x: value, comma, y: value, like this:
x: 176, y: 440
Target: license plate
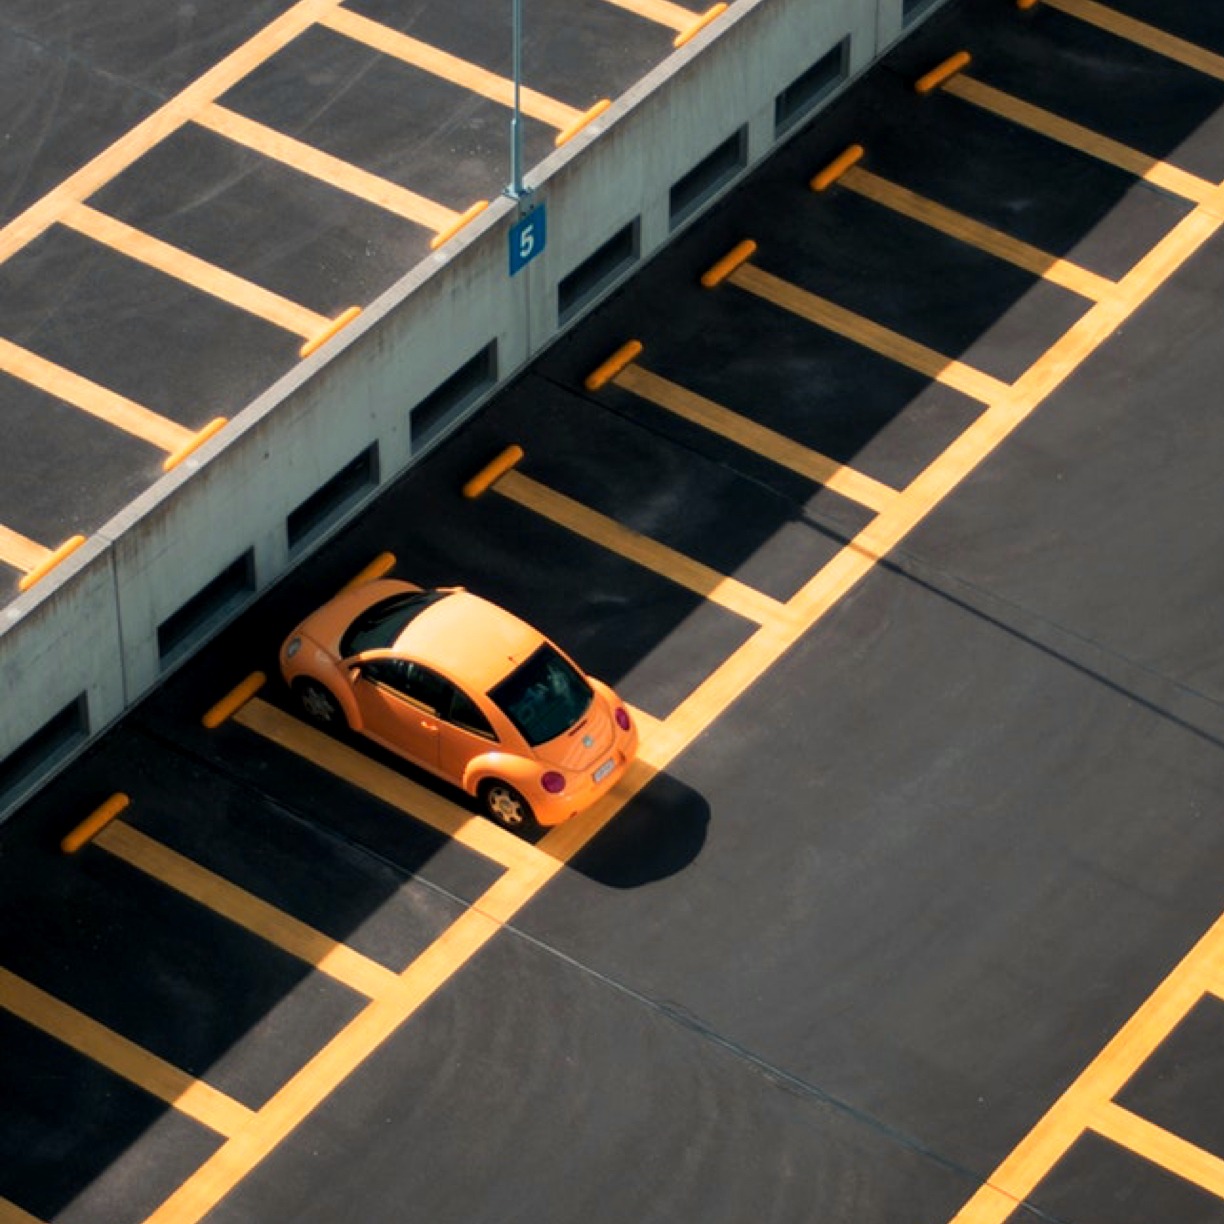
x: 604, y: 770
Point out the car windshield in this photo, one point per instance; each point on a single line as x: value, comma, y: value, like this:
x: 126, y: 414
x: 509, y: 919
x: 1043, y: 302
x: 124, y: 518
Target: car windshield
x: 543, y: 697
x: 379, y: 626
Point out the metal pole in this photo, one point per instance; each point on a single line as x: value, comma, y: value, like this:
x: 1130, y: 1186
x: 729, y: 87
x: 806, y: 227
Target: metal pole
x: 516, y: 129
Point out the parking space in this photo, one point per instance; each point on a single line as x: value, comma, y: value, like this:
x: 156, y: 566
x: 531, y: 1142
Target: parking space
x: 244, y: 190
x: 893, y: 522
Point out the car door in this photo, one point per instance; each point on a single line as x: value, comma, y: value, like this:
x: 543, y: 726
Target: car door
x: 398, y: 703
x: 465, y: 733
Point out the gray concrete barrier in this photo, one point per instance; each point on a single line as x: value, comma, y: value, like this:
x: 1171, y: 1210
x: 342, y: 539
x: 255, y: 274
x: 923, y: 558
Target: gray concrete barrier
x: 163, y: 576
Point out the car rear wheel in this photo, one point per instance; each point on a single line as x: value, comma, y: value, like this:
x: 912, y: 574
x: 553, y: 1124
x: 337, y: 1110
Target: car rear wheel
x: 318, y: 704
x: 505, y: 805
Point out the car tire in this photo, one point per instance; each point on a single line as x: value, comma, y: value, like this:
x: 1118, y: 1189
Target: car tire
x: 503, y: 804
x: 318, y: 704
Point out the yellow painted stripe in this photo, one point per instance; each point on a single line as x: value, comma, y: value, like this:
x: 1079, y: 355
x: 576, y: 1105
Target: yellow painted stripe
x: 648, y: 726
x: 10, y: 1213
x: 1084, y: 1103
x: 1168, y: 45
x: 190, y: 1096
x: 89, y: 397
x: 198, y: 273
x: 755, y: 437
x: 438, y: 965
x: 1160, y: 1147
x: 244, y: 909
x: 20, y: 551
x: 662, y: 12
x: 1085, y: 140
x: 650, y: 554
x: 450, y: 67
x: 882, y: 340
x: 994, y: 242
x: 387, y: 785
x: 503, y: 900
x: 327, y: 169
x: 329, y: 1068
x: 1148, y: 274
x: 117, y: 157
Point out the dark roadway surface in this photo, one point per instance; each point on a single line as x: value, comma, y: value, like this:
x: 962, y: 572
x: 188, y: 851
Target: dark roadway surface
x: 841, y: 956
x: 75, y: 77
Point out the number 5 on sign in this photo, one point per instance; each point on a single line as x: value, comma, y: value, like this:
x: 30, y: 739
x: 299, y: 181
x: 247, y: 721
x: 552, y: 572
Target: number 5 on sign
x: 527, y: 238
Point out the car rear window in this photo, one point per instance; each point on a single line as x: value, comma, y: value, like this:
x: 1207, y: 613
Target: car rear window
x: 379, y: 626
x: 543, y: 697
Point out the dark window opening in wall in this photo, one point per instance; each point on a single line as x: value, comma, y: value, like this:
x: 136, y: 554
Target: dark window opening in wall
x: 914, y: 8
x: 703, y: 181
x: 805, y: 92
x: 597, y: 271
x: 48, y: 745
x: 206, y: 609
x: 332, y: 498
x: 462, y: 389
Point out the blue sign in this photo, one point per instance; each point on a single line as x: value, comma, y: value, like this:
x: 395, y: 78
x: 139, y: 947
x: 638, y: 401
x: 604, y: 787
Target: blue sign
x: 527, y: 238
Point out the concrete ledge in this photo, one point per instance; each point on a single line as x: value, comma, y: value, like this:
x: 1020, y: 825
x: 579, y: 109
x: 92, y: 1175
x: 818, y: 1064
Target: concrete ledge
x: 88, y: 632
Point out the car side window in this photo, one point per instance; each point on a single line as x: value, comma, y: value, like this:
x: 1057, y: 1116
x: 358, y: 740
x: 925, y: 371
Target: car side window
x: 411, y: 680
x: 427, y: 688
x: 391, y: 672
x: 465, y: 713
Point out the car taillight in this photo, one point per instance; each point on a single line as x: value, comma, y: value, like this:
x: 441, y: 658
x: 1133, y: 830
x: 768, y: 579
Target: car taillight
x: 622, y: 718
x: 553, y: 782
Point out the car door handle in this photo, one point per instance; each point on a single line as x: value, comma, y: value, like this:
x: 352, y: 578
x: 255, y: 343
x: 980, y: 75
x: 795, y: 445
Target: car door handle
x: 429, y: 726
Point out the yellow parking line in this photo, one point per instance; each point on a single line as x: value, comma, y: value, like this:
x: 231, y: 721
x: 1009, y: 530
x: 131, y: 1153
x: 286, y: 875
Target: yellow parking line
x: 391, y: 787
x: 1168, y: 45
x: 661, y: 12
x: 650, y: 554
x: 1160, y: 1147
x: 10, y: 1213
x: 1148, y: 274
x: 20, y: 551
x: 1003, y: 246
x: 1083, y: 1104
x: 943, y: 369
x: 337, y: 960
x: 450, y: 67
x: 503, y: 900
x: 190, y: 1096
x: 89, y: 397
x: 327, y: 169
x: 163, y: 122
x: 1085, y: 140
x: 329, y: 1068
x: 199, y: 273
x: 755, y: 437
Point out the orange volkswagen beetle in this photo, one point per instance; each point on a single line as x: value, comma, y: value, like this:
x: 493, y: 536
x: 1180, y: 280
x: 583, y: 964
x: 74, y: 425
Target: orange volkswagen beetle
x: 466, y: 690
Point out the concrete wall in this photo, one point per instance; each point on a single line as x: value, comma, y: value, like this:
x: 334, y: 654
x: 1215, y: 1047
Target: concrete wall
x: 88, y: 633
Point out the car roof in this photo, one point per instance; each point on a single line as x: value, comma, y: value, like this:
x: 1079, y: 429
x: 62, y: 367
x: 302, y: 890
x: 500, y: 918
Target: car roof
x: 470, y: 639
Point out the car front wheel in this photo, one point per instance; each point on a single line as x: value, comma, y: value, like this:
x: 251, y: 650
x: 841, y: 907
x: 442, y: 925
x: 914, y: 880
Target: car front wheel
x: 318, y: 704
x: 505, y: 805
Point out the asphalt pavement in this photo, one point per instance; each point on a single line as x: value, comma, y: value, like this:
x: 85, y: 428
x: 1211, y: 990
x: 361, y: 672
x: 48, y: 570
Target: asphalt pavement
x: 187, y: 193
x: 903, y: 541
